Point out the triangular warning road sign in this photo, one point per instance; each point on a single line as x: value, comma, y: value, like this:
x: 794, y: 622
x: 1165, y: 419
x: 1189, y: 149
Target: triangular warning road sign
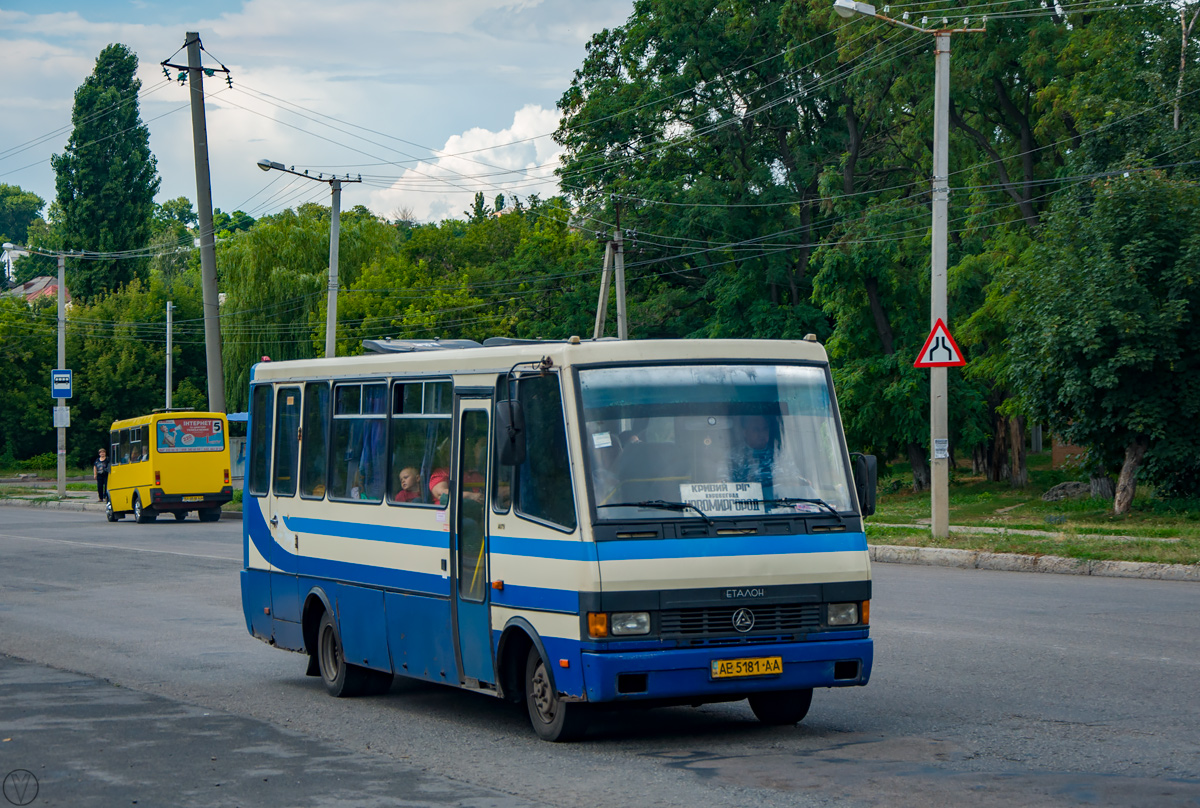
x: 940, y: 350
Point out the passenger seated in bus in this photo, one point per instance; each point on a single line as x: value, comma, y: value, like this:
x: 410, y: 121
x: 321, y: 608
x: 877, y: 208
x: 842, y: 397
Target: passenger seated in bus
x: 473, y: 478
x: 408, y: 485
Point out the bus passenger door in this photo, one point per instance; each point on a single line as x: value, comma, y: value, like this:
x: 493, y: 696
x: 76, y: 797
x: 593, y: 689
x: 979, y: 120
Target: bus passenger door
x: 285, y: 470
x: 472, y: 618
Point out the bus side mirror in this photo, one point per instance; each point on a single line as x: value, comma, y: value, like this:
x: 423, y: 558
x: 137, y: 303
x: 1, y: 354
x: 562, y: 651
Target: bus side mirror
x: 510, y: 433
x: 865, y: 479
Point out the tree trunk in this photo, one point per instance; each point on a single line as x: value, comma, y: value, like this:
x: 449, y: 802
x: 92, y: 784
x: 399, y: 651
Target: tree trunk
x: 998, y: 470
x: 1016, y: 435
x: 920, y: 467
x: 1103, y: 487
x: 979, y: 462
x: 1127, y: 480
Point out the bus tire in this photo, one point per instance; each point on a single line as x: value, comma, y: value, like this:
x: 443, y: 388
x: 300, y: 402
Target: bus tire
x: 109, y: 513
x: 552, y: 719
x: 341, y: 679
x: 180, y: 516
x: 209, y: 514
x: 782, y: 708
x: 142, y: 515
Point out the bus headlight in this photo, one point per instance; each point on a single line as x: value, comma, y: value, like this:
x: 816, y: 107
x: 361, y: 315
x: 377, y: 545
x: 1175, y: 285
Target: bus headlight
x: 625, y: 623
x: 843, y: 614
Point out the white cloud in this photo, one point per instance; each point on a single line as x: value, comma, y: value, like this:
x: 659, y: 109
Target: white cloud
x: 518, y: 160
x: 408, y: 69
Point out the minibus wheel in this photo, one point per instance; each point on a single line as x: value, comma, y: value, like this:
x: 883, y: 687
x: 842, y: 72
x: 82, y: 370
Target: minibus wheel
x: 109, y: 513
x: 209, y: 514
x: 553, y: 719
x: 142, y: 515
x: 180, y: 516
x: 783, y: 708
x: 341, y: 678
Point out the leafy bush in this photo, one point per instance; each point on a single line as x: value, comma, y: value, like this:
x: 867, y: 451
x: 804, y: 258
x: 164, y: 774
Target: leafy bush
x: 46, y: 461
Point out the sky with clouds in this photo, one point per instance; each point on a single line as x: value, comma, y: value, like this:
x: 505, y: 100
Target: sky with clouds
x: 428, y: 101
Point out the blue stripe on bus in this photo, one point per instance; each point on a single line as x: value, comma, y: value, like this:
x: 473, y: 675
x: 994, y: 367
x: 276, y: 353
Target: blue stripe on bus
x: 423, y: 583
x: 558, y: 549
x: 537, y: 599
x: 634, y: 550
x: 367, y: 532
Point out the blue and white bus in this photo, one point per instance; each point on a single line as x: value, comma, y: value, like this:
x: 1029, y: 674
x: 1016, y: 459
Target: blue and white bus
x: 565, y: 524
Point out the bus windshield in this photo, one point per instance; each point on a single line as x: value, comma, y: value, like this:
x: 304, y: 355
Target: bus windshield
x: 712, y: 441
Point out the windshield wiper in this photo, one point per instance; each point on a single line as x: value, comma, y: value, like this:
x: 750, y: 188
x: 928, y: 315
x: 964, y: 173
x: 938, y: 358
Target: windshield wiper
x: 665, y: 505
x: 797, y: 500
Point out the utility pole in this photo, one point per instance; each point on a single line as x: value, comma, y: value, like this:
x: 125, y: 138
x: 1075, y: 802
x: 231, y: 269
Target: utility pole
x: 938, y: 405
x: 335, y: 232
x: 62, y: 363
x: 622, y: 313
x: 605, y: 279
x: 170, y: 308
x: 208, y: 255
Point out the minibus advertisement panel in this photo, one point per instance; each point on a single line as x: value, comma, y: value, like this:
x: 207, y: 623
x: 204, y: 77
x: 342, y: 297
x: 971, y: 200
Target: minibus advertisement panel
x: 191, y: 435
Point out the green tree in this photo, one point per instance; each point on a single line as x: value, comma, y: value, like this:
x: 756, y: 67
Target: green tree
x: 1106, y: 347
x: 18, y: 209
x: 27, y: 355
x: 275, y: 276
x: 106, y: 178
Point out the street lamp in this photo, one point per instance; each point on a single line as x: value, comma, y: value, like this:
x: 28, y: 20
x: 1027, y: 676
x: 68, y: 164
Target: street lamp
x: 938, y: 421
x: 335, y: 229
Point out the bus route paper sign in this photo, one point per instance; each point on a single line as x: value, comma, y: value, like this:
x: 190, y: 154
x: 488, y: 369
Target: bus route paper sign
x: 190, y: 435
x: 716, y: 498
x: 940, y: 350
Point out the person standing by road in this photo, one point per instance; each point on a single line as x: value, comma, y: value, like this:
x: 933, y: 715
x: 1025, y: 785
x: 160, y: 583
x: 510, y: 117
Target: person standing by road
x: 100, y: 474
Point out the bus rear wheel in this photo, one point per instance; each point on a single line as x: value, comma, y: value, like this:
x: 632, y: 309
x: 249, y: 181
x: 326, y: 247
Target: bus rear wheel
x: 142, y: 515
x: 209, y: 514
x: 552, y: 718
x: 341, y: 678
x: 781, y: 709
x: 180, y: 516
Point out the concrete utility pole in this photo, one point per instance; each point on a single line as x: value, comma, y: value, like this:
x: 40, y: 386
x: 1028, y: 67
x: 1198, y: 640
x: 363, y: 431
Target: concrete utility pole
x: 335, y: 232
x: 170, y: 308
x: 938, y: 420
x: 602, y: 303
x: 208, y: 254
x: 62, y: 363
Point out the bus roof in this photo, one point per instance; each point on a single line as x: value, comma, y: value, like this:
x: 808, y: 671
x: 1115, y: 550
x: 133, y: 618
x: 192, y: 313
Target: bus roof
x: 501, y: 355
x: 155, y: 417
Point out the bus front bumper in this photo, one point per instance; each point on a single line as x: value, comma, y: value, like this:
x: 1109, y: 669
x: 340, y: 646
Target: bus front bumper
x: 189, y: 502
x: 687, y: 673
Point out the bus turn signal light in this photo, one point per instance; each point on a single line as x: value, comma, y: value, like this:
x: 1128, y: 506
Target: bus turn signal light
x: 598, y: 624
x: 866, y: 612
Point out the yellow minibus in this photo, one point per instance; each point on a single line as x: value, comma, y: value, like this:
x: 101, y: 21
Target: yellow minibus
x: 172, y: 461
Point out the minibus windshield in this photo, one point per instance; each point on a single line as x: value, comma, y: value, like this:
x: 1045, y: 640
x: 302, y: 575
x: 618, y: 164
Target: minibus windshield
x: 712, y: 441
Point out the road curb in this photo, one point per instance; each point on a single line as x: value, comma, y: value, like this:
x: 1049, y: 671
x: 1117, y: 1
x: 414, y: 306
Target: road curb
x: 81, y: 505
x: 1014, y: 562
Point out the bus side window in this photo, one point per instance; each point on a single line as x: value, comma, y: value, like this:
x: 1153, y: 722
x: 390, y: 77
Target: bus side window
x: 544, y: 489
x: 359, y: 412
x: 287, y: 440
x: 420, y: 436
x: 501, y: 475
x: 114, y: 446
x: 258, y: 475
x: 314, y: 454
x: 124, y: 450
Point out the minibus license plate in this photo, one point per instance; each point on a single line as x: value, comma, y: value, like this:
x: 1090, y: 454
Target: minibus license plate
x: 761, y: 666
x: 192, y: 499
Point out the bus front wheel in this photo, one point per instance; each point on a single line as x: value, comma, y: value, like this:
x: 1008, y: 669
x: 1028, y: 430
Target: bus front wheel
x: 781, y: 709
x: 341, y: 678
x: 109, y: 513
x: 552, y: 718
x: 142, y: 515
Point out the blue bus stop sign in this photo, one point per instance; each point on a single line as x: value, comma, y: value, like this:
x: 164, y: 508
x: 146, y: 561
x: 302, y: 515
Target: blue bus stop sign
x: 60, y: 383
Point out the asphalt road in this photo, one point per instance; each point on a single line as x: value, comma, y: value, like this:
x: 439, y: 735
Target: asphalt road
x: 126, y: 674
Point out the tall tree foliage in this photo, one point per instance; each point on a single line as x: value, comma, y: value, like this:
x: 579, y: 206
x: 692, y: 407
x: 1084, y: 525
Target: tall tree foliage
x: 106, y: 178
x: 18, y: 209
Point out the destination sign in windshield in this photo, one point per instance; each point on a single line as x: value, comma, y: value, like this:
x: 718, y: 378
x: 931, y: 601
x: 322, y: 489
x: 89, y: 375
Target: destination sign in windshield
x: 715, y: 499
